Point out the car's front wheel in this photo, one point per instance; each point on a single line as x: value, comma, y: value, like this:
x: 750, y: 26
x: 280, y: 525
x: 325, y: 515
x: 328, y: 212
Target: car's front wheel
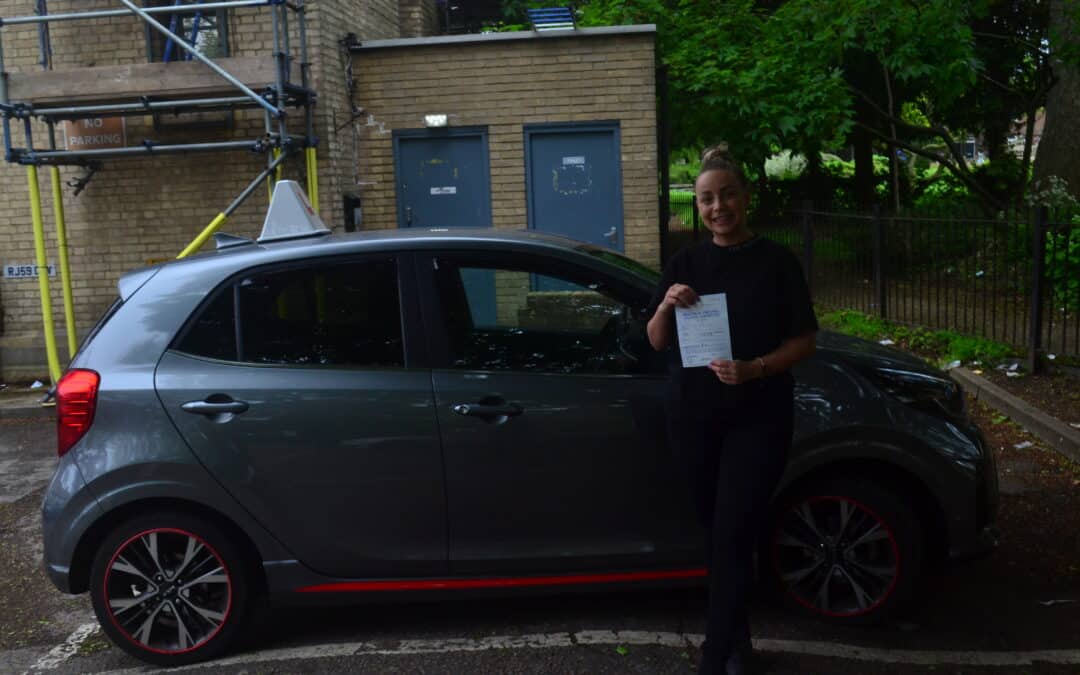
x: 848, y: 550
x: 170, y: 588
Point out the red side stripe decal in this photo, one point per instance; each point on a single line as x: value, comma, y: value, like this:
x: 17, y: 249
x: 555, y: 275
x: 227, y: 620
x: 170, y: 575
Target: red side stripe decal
x: 505, y: 582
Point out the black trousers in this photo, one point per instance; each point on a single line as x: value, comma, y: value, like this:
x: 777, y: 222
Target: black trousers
x: 733, y: 459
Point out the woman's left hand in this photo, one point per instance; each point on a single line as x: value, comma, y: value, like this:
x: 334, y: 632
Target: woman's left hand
x: 735, y: 372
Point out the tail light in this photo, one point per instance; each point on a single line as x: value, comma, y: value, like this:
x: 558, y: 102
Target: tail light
x: 76, y: 398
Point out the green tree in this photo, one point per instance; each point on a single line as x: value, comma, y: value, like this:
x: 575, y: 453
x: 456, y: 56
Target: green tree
x: 811, y: 74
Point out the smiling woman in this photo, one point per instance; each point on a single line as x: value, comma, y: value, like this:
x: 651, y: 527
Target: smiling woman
x: 732, y: 421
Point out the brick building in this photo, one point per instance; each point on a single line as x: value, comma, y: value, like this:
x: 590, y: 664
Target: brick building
x: 522, y: 94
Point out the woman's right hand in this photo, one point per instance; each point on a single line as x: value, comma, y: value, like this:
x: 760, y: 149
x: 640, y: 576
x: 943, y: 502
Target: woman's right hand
x: 679, y: 295
x: 660, y: 326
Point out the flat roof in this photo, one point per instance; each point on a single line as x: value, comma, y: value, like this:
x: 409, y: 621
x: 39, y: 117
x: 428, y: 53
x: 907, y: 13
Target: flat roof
x: 473, y: 38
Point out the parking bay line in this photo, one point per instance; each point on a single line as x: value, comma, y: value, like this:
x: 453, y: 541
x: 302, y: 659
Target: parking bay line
x: 65, y: 650
x: 632, y: 638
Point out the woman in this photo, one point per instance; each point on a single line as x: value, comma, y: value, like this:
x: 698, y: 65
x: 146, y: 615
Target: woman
x: 731, y: 423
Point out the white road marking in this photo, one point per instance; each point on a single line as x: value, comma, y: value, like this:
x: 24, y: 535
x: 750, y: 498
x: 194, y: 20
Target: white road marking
x: 65, y: 650
x: 920, y: 657
x: 631, y: 637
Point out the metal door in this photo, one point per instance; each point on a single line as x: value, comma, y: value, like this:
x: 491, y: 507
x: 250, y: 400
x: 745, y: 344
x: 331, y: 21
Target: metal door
x: 574, y: 181
x: 442, y: 178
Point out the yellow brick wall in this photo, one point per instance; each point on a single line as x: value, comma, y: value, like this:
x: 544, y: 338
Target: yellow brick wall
x: 148, y: 208
x: 504, y: 85
x: 418, y: 18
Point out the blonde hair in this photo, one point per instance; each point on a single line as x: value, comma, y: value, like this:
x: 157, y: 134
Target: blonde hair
x: 717, y: 158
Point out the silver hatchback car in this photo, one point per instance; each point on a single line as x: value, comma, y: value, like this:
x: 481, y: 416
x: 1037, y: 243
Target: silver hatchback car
x: 313, y: 415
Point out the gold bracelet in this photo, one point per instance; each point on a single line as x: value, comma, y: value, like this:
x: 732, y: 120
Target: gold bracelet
x: 764, y: 368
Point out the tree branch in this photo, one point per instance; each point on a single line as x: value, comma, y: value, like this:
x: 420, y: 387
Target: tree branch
x: 1003, y: 86
x: 939, y: 131
x: 962, y: 173
x: 1010, y: 38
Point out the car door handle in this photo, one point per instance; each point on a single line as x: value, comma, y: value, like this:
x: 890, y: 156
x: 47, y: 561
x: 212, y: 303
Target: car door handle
x: 211, y: 407
x: 488, y: 411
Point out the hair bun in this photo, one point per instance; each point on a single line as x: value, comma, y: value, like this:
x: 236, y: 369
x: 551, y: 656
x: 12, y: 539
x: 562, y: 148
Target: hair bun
x: 717, y: 158
x: 717, y: 152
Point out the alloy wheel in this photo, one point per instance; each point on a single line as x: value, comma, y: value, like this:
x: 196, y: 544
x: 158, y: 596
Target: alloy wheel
x: 836, y: 556
x: 168, y: 591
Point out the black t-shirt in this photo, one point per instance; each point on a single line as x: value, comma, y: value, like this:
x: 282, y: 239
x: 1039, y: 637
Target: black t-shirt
x: 768, y: 302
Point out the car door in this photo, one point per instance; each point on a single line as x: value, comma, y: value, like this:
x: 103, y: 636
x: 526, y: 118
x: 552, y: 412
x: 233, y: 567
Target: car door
x: 296, y: 386
x: 552, y: 421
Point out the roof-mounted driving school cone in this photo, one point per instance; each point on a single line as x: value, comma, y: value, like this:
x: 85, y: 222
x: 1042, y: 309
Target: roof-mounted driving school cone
x: 290, y: 214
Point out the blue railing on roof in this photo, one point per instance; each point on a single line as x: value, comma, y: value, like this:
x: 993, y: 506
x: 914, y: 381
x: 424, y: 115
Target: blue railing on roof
x: 552, y: 18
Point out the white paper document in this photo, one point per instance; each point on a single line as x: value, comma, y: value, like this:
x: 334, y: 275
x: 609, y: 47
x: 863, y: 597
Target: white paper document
x: 704, y: 331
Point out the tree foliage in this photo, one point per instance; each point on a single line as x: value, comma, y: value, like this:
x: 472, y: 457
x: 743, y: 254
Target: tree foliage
x: 803, y: 75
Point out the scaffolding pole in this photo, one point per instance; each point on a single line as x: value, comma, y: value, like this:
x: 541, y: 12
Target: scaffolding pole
x: 43, y: 274
x: 312, y: 178
x: 220, y: 218
x: 310, y: 154
x: 78, y: 112
x: 62, y: 250
x: 277, y: 144
x: 104, y: 13
x: 56, y: 157
x: 156, y: 25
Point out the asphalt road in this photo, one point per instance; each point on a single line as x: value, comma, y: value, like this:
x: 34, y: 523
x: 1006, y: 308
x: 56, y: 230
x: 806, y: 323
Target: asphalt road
x: 975, y: 616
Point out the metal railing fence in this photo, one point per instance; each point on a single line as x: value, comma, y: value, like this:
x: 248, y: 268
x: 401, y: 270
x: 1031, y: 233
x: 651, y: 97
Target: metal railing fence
x: 1013, y: 279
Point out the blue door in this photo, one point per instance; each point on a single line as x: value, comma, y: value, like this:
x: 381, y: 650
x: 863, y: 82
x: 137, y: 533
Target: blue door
x: 442, y: 178
x: 574, y: 181
x: 443, y: 181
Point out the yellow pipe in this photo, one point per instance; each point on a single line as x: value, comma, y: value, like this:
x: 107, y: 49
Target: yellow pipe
x: 213, y: 227
x: 43, y: 274
x: 65, y: 268
x: 272, y: 179
x: 312, y: 178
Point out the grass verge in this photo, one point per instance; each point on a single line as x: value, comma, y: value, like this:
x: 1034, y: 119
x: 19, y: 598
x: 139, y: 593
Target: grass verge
x: 940, y: 346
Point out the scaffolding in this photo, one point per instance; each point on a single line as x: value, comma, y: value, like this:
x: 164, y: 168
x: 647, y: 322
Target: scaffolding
x: 275, y: 97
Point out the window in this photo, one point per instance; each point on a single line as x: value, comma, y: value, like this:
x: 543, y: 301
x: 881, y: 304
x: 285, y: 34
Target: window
x: 213, y: 333
x: 519, y: 319
x: 206, y: 30
x: 331, y: 315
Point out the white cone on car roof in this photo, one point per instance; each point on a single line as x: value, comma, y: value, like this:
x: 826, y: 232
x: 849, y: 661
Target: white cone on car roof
x: 290, y: 215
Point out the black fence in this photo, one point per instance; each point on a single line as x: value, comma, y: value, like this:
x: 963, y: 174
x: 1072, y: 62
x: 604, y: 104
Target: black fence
x: 1013, y: 279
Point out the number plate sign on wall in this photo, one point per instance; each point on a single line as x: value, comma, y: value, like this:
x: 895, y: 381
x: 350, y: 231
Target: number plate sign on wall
x: 17, y: 271
x: 95, y: 133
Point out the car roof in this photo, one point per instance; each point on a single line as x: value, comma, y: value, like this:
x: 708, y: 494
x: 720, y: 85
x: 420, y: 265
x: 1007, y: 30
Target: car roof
x: 236, y: 252
x: 403, y: 239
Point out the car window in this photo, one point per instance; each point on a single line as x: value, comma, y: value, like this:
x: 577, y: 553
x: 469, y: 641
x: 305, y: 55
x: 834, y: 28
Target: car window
x: 344, y: 314
x: 517, y: 318
x: 213, y: 332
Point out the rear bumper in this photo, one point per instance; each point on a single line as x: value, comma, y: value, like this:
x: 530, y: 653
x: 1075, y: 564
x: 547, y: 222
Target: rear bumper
x: 66, y: 511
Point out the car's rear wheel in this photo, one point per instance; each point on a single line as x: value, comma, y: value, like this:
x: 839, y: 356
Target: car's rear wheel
x: 848, y: 550
x: 170, y: 588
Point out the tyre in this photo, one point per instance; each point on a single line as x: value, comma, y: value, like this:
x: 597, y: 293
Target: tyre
x: 847, y: 550
x: 170, y: 588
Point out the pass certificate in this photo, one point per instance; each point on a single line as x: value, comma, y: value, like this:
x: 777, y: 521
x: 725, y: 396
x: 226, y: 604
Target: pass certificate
x: 704, y: 331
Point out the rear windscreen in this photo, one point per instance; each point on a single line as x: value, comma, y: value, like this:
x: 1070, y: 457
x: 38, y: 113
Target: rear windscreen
x: 100, y: 324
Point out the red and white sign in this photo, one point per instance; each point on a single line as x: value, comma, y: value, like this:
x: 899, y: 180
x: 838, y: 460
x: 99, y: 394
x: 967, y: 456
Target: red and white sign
x: 95, y: 133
